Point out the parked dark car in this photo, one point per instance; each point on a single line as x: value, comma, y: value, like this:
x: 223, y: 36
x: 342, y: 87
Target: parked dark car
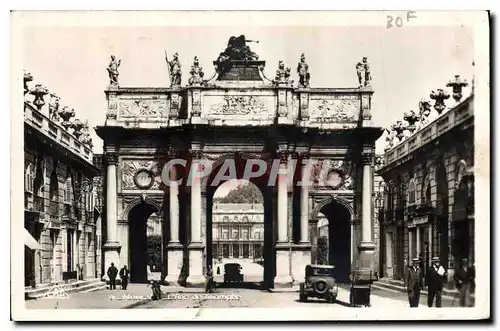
x: 232, y: 273
x: 319, y: 283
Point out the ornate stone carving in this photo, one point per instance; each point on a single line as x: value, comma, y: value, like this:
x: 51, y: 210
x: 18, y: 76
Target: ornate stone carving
x: 111, y: 158
x: 112, y: 107
x: 439, y: 96
x: 282, y: 75
x: 196, y: 73
x: 411, y: 118
x: 113, y: 71
x: 54, y: 107
x: 304, y: 106
x: 303, y: 71
x: 142, y: 108
x: 77, y: 127
x: 457, y: 85
x: 85, y: 138
x: 174, y: 70
x: 196, y: 154
x: 140, y: 174
x: 39, y: 92
x: 389, y: 139
x: 66, y: 113
x: 399, y: 128
x: 236, y: 50
x: 335, y: 110
x: 363, y: 72
x: 424, y: 109
x: 367, y: 158
x: 175, y: 105
x: 240, y: 105
x: 196, y: 110
x: 28, y: 77
x: 365, y: 106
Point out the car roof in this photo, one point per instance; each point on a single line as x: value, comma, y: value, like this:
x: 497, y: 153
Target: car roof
x: 321, y: 266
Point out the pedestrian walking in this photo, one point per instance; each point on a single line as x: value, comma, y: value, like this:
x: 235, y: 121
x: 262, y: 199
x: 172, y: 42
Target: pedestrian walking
x: 436, y: 276
x: 124, y: 274
x: 465, y: 282
x: 112, y: 272
x: 210, y: 280
x: 414, y: 280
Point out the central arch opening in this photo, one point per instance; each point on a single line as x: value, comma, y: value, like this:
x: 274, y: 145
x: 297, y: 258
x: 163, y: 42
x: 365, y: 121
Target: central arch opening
x: 334, y: 239
x: 239, y: 236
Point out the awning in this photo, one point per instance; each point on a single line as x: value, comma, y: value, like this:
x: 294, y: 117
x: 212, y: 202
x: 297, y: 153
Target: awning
x: 30, y: 241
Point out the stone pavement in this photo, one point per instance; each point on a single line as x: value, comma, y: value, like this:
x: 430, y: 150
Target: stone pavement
x: 104, y: 299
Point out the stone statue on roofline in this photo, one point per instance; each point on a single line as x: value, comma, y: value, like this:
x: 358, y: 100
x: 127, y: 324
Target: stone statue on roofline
x: 174, y: 68
x: 303, y: 71
x: 196, y: 73
x: 363, y: 72
x: 113, y: 71
x: 236, y: 50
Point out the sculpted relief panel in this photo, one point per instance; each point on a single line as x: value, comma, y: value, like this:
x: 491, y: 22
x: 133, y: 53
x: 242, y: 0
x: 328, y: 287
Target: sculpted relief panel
x: 143, y: 107
x: 141, y: 174
x: 342, y: 108
x: 218, y: 106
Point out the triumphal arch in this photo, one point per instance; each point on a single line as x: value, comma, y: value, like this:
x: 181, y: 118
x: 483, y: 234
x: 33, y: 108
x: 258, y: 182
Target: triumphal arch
x: 309, y: 150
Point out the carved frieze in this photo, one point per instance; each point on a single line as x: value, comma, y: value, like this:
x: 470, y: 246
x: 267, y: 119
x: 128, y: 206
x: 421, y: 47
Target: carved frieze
x: 141, y: 174
x: 175, y: 105
x: 332, y: 174
x: 142, y: 107
x: 341, y: 108
x: 239, y: 105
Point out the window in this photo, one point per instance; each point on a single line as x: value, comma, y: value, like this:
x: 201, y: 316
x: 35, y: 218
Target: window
x: 67, y: 191
x: 225, y: 219
x: 245, y: 219
x: 411, y: 192
x: 245, y: 234
x: 225, y: 234
x: 28, y: 178
x: 235, y: 234
x: 236, y: 218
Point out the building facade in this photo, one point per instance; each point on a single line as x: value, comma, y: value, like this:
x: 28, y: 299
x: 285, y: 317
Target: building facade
x: 428, y: 172
x: 238, y: 230
x: 60, y: 226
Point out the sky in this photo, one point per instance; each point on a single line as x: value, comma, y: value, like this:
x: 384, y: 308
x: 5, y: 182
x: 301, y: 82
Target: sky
x: 406, y: 64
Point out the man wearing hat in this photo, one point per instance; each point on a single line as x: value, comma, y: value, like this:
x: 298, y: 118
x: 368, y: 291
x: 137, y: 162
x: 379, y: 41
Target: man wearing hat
x: 464, y: 281
x: 436, y: 276
x: 414, y: 282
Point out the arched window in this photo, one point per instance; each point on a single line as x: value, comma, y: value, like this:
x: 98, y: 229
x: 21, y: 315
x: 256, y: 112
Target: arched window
x: 28, y: 178
x: 411, y: 192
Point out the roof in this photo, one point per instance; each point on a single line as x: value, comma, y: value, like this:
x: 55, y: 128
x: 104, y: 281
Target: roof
x: 321, y: 266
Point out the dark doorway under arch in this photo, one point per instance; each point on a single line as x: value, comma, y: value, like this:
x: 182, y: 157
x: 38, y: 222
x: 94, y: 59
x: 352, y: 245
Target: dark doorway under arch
x: 339, y: 239
x: 137, y: 218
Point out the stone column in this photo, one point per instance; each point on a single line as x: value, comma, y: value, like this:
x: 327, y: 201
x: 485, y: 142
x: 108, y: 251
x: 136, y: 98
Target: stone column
x: 112, y: 246
x: 366, y: 245
x: 282, y: 200
x: 196, y: 277
x: 304, y: 203
x: 283, y: 247
x: 174, y: 247
x: 418, y: 240
x: 410, y: 245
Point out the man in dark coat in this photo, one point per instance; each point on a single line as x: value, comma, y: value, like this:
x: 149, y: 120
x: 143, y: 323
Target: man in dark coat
x: 464, y: 282
x: 112, y: 272
x: 436, y: 276
x: 210, y: 280
x: 124, y: 274
x: 414, y: 283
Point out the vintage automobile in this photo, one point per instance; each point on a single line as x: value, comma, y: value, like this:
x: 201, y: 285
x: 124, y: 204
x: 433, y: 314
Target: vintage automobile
x: 319, y: 283
x: 232, y: 273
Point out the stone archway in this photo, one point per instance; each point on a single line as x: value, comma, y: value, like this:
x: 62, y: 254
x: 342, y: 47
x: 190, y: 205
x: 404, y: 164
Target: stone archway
x: 138, y: 211
x: 339, y: 213
x: 268, y: 254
